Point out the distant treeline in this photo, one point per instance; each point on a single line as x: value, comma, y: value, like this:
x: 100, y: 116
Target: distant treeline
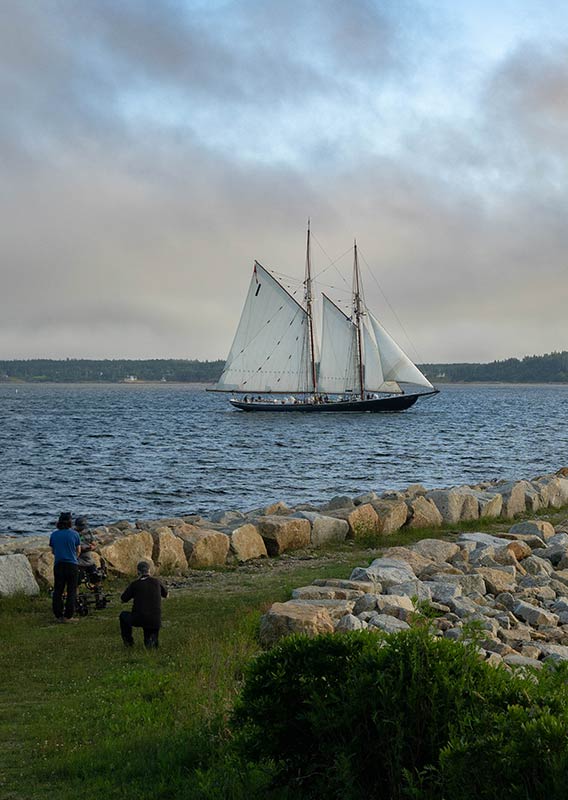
x: 86, y: 371
x: 550, y: 368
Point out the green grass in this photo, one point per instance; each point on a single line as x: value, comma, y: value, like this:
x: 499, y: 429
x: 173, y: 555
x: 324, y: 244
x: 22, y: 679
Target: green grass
x: 81, y: 717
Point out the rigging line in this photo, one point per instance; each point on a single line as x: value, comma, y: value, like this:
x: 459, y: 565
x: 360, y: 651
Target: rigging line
x: 332, y: 262
x: 419, y: 357
x: 288, y: 277
x: 335, y: 288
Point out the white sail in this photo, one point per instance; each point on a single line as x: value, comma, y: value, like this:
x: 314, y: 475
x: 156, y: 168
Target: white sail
x: 270, y: 352
x: 396, y: 364
x: 337, y: 372
x: 371, y: 359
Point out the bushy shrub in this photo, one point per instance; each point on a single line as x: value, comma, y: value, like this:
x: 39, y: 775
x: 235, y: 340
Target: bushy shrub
x: 286, y: 691
x: 521, y: 755
x: 361, y: 716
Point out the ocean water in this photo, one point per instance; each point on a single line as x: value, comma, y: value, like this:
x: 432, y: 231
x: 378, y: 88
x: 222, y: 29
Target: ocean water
x: 141, y: 451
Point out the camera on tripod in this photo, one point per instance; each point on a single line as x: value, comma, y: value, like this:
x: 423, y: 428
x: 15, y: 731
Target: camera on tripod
x: 90, y: 592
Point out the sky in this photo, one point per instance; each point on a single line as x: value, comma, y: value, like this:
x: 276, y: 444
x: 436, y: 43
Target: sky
x: 151, y: 150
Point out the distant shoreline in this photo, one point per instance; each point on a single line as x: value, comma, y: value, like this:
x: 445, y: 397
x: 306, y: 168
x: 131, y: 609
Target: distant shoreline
x: 205, y: 384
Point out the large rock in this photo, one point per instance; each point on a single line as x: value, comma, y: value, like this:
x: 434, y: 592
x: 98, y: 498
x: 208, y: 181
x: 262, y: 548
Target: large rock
x: 539, y: 567
x: 363, y: 521
x: 279, y: 508
x: 284, y: 619
x: 386, y: 571
x: 517, y: 660
x: 325, y: 530
x: 482, y: 540
x: 415, y: 588
x: 349, y: 622
x: 227, y: 517
x: 436, y: 549
x: 559, y: 651
x: 534, y: 615
x: 469, y: 584
x: 387, y: 624
x: 489, y: 505
x: 247, y: 543
x: 167, y: 552
x: 392, y: 514
x: 335, y: 608
x: 205, y: 548
x: 123, y: 555
x: 361, y: 586
x: 416, y: 561
x: 314, y: 592
x: 339, y: 502
x: 397, y: 605
x: 513, y: 494
x: 536, y: 527
x: 154, y: 524
x: 444, y: 592
x: 423, y: 514
x: 556, y: 549
x: 553, y: 490
x: 449, y: 503
x: 518, y: 549
x: 42, y: 562
x: 16, y: 576
x: 497, y: 580
x: 284, y: 533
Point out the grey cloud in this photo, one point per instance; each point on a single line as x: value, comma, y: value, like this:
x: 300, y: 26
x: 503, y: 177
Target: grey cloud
x: 123, y: 238
x: 80, y: 72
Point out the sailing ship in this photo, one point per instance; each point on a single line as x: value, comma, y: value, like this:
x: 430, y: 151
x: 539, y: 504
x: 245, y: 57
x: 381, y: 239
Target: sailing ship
x: 275, y: 363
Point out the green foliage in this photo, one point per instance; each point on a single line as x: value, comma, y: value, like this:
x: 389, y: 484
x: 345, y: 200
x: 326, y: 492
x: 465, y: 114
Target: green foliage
x: 73, y: 370
x: 521, y: 755
x: 356, y: 715
x: 552, y: 367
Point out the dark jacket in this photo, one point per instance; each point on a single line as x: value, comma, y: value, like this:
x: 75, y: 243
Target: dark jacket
x: 147, y: 593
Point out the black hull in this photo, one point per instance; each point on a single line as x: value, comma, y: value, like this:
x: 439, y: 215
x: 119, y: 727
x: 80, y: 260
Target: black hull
x: 380, y: 405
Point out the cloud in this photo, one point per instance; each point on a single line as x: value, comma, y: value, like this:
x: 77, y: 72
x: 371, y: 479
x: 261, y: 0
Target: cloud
x: 150, y: 152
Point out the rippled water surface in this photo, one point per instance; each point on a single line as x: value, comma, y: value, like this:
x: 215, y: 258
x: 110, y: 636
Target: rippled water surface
x: 115, y: 452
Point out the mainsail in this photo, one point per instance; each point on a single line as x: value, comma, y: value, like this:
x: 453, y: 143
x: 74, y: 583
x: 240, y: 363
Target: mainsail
x: 270, y: 352
x: 338, y: 364
x: 337, y: 371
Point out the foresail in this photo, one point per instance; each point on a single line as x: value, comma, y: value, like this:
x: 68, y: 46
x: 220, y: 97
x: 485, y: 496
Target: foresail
x: 270, y: 351
x: 337, y: 372
x: 396, y: 364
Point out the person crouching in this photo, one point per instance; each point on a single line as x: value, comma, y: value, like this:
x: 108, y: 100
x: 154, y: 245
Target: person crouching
x: 147, y: 593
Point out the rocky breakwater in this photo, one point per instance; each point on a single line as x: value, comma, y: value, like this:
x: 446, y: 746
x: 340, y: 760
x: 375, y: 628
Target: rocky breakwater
x: 175, y: 545
x: 510, y: 591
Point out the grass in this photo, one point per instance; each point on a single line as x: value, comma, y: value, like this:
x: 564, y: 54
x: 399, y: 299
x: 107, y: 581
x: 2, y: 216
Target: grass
x: 80, y: 716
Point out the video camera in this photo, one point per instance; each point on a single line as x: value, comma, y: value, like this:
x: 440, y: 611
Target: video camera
x: 90, y: 592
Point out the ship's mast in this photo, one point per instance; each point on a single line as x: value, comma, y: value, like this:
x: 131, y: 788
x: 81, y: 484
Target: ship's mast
x: 358, y: 309
x: 309, y: 310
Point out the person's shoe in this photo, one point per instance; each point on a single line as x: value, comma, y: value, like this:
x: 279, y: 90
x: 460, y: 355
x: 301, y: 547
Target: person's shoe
x: 59, y: 619
x: 70, y: 619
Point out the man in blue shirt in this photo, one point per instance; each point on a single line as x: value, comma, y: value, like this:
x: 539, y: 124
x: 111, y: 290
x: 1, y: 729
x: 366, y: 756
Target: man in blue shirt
x: 66, y: 546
